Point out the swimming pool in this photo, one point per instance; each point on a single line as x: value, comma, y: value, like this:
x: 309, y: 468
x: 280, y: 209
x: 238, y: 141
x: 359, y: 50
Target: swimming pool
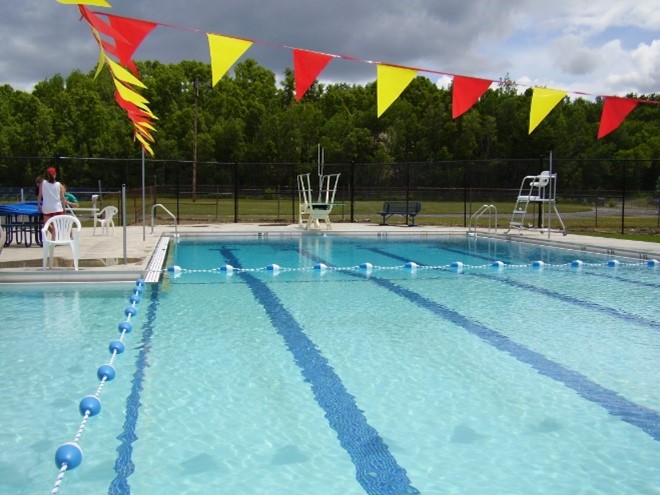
x: 322, y: 364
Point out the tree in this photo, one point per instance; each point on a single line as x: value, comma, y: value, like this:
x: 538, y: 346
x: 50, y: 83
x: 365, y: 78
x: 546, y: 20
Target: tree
x: 248, y: 116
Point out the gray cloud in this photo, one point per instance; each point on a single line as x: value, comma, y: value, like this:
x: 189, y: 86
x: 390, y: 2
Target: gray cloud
x: 40, y: 38
x: 482, y: 38
x: 574, y: 58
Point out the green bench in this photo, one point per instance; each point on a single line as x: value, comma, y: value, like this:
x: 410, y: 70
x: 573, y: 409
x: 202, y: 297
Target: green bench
x: 408, y: 209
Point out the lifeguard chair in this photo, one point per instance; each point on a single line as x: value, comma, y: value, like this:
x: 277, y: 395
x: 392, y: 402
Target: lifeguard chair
x: 540, y: 191
x: 311, y: 212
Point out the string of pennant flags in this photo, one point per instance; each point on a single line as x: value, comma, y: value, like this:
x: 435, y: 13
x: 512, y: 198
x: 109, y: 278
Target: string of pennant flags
x: 119, y: 37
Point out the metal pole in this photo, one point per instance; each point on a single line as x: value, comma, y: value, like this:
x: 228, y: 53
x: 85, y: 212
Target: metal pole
x: 407, y: 191
x: 178, y: 187
x: 351, y: 191
x: 144, y: 216
x: 623, y: 199
x: 465, y: 195
x: 552, y: 188
x: 320, y: 161
x: 195, y: 118
x: 294, y: 180
x: 123, y: 219
x: 235, y: 192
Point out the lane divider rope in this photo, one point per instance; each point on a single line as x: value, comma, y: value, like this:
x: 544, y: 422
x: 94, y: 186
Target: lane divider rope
x: 69, y: 455
x: 456, y: 266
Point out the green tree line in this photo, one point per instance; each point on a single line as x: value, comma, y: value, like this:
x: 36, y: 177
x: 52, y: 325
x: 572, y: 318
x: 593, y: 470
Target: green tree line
x: 252, y: 116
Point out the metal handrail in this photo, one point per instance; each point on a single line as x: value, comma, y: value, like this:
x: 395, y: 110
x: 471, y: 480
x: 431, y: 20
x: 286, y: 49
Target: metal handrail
x: 153, y: 208
x: 477, y: 214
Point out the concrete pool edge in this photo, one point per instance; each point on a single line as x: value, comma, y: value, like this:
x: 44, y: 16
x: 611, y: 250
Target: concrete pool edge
x: 143, y: 245
x: 588, y: 244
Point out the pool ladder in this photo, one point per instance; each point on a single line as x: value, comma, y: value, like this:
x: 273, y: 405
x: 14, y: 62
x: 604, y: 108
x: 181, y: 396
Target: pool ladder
x: 153, y: 208
x: 474, y: 219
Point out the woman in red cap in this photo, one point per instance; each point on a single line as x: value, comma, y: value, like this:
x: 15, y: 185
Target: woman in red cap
x: 50, y: 200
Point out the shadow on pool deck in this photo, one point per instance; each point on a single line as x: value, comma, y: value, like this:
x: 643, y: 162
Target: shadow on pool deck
x: 109, y: 258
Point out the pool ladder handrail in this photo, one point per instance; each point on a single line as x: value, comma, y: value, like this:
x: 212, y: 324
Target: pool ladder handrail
x: 472, y: 229
x: 153, y: 208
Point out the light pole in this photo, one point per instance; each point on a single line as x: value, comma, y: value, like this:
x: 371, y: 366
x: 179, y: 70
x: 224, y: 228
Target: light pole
x: 194, y: 150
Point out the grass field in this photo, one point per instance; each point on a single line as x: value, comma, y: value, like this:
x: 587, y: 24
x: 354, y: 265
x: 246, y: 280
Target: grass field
x: 640, y: 222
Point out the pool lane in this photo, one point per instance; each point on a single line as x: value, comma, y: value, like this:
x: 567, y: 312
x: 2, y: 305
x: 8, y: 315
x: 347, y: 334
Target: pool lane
x: 646, y: 419
x: 377, y: 470
x: 612, y: 312
x: 124, y: 465
x: 643, y: 418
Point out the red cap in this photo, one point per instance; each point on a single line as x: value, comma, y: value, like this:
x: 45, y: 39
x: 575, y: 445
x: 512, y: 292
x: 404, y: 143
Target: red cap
x: 51, y: 171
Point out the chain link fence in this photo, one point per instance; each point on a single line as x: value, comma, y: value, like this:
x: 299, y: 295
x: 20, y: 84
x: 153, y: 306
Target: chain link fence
x: 618, y: 196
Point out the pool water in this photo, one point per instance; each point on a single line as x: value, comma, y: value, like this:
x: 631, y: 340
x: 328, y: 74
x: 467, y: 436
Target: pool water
x: 325, y: 377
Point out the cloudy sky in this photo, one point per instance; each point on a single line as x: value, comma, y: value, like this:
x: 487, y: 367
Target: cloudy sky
x: 609, y: 47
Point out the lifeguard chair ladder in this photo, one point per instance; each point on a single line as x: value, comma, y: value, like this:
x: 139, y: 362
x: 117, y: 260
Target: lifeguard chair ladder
x: 541, y: 191
x: 311, y: 212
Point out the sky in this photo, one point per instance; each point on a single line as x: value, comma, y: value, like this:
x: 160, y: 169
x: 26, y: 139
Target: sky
x: 604, y: 48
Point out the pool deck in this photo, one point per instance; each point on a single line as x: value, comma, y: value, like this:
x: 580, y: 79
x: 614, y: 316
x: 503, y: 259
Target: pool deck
x: 135, y: 251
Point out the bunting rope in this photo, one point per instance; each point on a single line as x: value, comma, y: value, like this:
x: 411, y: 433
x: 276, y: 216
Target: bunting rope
x: 392, y: 79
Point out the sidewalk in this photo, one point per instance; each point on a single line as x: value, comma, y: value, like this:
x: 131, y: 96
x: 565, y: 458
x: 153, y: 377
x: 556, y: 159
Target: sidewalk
x: 102, y: 257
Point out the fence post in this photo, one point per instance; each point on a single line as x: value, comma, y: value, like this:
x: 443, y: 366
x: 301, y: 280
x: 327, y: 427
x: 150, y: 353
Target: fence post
x: 351, y: 189
x: 123, y: 221
x: 178, y: 186
x: 623, y: 197
x: 407, y: 189
x: 236, y: 192
x: 465, y: 194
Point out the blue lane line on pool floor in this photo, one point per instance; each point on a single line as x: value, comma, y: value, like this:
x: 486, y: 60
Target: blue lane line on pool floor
x: 124, y: 466
x: 636, y: 283
x: 376, y: 468
x: 582, y: 303
x: 613, y: 312
x: 644, y: 418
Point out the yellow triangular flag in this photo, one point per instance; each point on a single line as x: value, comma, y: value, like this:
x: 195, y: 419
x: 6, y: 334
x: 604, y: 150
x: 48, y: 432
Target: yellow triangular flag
x: 122, y: 74
x: 130, y: 95
x: 100, y: 65
x: 543, y: 101
x: 391, y: 83
x: 93, y: 3
x: 144, y: 144
x: 224, y: 52
x: 101, y: 61
x: 145, y: 125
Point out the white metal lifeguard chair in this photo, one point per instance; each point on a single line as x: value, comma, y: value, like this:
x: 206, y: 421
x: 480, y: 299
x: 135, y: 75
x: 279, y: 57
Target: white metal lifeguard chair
x: 540, y: 191
x: 311, y: 212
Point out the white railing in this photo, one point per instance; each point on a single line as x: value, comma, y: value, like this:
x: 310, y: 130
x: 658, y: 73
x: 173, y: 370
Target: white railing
x: 153, y: 208
x: 90, y: 213
x: 474, y: 219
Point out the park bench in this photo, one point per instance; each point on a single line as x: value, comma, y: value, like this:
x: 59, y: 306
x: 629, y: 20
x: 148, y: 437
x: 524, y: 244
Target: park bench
x: 409, y: 209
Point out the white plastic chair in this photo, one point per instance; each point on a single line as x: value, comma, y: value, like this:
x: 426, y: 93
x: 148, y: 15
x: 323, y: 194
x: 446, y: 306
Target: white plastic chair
x: 541, y: 180
x: 66, y: 233
x: 105, y: 218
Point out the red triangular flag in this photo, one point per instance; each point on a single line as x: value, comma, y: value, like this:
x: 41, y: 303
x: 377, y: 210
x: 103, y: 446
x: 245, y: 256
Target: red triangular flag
x: 465, y: 93
x: 98, y: 24
x: 306, y: 67
x: 131, y: 108
x: 615, y: 110
x: 133, y: 32
x: 109, y: 48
